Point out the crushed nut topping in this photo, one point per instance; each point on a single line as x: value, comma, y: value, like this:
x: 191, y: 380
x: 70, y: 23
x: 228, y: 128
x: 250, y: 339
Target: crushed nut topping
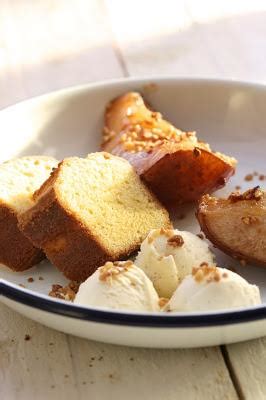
x: 147, y: 136
x: 163, y: 301
x: 163, y: 231
x: 67, y: 292
x: 112, y: 269
x: 249, y: 220
x: 107, y: 135
x: 176, y: 241
x: 208, y: 272
x: 166, y: 232
x: 252, y: 194
x: 107, y: 156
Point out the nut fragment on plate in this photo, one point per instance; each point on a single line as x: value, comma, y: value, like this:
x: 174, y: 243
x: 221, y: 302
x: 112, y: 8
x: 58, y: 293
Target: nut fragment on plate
x: 67, y: 292
x: 176, y: 166
x: 236, y: 225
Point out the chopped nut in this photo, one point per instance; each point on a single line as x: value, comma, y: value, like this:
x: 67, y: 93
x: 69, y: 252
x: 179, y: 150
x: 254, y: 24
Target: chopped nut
x: 176, y: 241
x: 205, y: 271
x: 107, y: 134
x: 249, y: 177
x: 204, y: 264
x: 167, y: 232
x: 216, y: 276
x: 199, y: 275
x: 112, y: 269
x: 107, y: 156
x: 249, y: 220
x: 163, y: 301
x: 148, y: 135
x: 252, y: 194
x: 65, y: 293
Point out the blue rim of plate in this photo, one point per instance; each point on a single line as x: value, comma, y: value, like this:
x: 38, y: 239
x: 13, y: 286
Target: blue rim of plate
x: 140, y: 320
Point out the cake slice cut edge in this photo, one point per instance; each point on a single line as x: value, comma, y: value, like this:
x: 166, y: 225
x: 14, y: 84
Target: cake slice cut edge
x: 91, y: 210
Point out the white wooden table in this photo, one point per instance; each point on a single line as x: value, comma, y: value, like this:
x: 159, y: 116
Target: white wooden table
x: 49, y: 44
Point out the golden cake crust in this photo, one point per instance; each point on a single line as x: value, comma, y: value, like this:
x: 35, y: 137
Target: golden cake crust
x: 16, y: 251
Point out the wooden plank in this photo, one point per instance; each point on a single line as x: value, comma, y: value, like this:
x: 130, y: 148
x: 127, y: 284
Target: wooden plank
x: 53, y: 365
x: 114, y: 372
x: 48, y: 45
x: 38, y: 368
x: 248, y: 363
x: 192, y: 38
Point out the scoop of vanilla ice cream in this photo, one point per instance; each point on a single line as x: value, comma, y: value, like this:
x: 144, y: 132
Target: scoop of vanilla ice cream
x: 168, y: 255
x: 121, y: 286
x: 212, y: 288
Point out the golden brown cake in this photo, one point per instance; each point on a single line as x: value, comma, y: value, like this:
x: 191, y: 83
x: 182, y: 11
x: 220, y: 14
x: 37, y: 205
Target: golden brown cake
x: 19, y: 179
x: 91, y: 210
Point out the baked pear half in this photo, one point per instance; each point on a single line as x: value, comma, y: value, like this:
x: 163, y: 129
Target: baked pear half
x: 175, y: 165
x: 236, y: 225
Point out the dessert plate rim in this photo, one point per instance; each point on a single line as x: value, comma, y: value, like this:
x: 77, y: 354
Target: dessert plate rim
x: 184, y: 320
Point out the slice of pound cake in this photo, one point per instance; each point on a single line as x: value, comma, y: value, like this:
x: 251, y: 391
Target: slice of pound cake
x: 91, y: 210
x: 19, y: 179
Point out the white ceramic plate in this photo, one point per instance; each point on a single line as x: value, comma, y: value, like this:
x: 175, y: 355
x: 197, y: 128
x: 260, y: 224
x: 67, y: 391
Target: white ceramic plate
x: 231, y: 116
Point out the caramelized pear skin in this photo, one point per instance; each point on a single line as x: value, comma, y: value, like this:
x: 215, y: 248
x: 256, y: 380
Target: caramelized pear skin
x: 175, y: 165
x: 236, y: 225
